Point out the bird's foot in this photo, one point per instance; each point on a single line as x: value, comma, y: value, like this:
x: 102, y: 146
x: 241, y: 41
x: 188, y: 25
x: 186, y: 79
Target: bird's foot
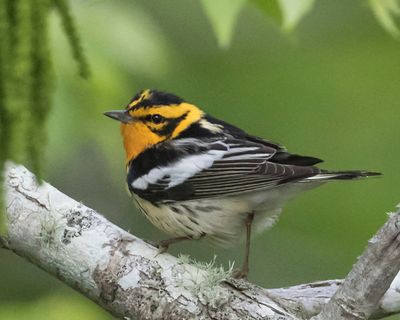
x: 240, y: 274
x: 163, y: 246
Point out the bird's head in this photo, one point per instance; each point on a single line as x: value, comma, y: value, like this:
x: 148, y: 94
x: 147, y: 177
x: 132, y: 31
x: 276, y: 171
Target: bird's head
x: 153, y: 117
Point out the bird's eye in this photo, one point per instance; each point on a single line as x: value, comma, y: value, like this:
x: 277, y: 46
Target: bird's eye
x: 156, y: 118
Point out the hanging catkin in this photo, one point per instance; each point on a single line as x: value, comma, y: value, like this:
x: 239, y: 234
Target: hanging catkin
x: 26, y: 79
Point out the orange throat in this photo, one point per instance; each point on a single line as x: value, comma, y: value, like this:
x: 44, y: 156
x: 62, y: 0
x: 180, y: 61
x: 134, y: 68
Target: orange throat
x: 137, y: 140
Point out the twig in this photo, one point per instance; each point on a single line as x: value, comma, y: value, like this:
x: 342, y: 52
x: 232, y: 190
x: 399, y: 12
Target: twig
x: 359, y: 295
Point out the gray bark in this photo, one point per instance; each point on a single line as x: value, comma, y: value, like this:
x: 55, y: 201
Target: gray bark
x: 127, y: 276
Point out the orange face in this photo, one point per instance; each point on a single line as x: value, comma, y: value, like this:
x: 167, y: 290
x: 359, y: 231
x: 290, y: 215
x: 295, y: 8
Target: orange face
x: 144, y: 125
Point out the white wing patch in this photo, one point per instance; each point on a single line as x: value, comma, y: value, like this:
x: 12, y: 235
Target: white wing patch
x: 179, y: 171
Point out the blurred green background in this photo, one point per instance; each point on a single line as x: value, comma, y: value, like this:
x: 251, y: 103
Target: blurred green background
x: 331, y: 89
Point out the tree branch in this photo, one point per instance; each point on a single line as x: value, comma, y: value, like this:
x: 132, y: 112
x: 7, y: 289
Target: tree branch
x: 370, y: 277
x: 127, y: 277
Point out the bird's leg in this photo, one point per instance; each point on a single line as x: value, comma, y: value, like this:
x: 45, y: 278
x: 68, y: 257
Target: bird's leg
x: 163, y: 245
x: 249, y: 221
x: 239, y: 274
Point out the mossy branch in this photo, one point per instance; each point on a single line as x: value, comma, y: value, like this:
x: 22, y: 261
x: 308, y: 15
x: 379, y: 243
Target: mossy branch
x: 127, y: 276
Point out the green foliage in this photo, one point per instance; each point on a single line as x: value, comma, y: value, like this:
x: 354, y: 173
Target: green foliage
x: 386, y: 11
x: 17, y: 77
x: 293, y: 11
x: 270, y: 8
x: 26, y: 78
x: 15, y: 80
x: 72, y: 34
x: 41, y: 86
x: 223, y: 15
x: 287, y: 13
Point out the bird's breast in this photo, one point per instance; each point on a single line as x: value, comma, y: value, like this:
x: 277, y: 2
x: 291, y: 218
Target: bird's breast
x: 220, y: 220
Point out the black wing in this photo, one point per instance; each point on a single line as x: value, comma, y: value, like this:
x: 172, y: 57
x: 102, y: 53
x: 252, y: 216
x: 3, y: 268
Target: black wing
x: 281, y: 156
x: 226, y: 167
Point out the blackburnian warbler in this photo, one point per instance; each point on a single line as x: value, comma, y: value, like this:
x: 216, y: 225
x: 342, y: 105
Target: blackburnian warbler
x: 195, y: 176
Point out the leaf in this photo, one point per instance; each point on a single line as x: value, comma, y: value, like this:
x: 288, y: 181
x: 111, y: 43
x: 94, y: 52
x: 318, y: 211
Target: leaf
x: 270, y: 8
x: 386, y: 11
x: 287, y: 13
x: 223, y: 15
x: 293, y: 11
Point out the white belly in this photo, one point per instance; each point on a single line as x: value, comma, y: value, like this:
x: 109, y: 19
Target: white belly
x: 221, y: 220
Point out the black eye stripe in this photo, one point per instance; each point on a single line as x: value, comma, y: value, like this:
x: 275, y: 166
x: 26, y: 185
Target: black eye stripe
x: 169, y: 126
x: 154, y: 118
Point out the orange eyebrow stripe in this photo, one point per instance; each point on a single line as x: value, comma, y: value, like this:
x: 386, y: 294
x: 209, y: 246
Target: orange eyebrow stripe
x: 169, y: 111
x: 145, y: 95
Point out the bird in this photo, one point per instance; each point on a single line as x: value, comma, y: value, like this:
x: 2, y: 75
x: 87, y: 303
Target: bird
x: 195, y: 176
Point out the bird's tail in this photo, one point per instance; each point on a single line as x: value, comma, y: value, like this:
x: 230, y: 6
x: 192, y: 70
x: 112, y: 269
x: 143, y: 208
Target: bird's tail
x: 342, y: 175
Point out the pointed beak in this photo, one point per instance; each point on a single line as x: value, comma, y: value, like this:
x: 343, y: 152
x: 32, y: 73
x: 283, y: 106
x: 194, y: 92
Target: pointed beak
x: 120, y: 115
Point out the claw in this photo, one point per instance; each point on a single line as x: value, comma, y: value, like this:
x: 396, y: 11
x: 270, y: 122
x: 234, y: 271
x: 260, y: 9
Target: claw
x: 162, y: 247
